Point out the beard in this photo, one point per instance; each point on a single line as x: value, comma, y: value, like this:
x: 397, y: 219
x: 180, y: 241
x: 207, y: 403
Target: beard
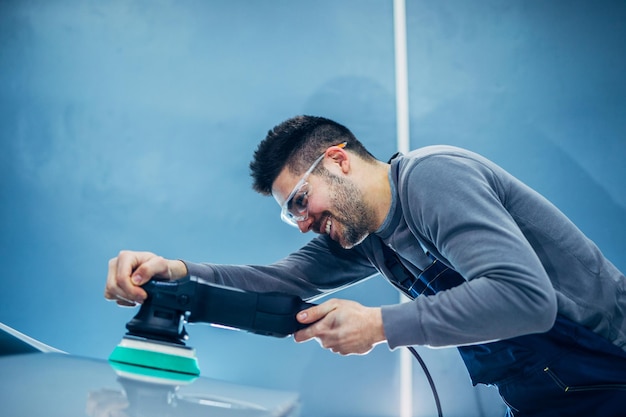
x: 349, y: 209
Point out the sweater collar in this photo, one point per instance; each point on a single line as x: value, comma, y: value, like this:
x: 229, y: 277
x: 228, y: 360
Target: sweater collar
x: 395, y: 211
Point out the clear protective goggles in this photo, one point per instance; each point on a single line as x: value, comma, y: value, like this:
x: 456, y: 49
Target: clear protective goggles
x: 296, y: 207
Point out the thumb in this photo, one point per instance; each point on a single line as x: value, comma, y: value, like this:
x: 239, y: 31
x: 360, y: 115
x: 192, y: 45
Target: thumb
x: 139, y: 279
x: 315, y: 313
x: 153, y: 266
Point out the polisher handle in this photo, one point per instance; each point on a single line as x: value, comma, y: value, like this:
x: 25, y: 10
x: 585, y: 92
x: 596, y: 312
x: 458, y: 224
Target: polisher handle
x: 270, y: 314
x: 170, y: 304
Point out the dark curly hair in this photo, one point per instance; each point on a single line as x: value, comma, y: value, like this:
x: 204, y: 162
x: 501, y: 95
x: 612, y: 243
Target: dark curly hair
x: 296, y: 143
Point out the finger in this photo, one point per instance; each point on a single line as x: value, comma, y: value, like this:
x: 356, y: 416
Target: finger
x: 125, y: 266
x: 321, y: 330
x: 316, y: 313
x: 112, y: 291
x: 150, y: 267
x: 125, y: 303
x: 302, y: 335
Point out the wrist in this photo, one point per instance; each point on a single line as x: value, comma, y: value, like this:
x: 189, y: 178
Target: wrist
x: 177, y: 269
x: 379, y: 334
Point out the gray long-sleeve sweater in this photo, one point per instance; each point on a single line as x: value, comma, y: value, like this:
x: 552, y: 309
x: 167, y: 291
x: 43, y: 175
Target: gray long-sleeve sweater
x: 523, y: 260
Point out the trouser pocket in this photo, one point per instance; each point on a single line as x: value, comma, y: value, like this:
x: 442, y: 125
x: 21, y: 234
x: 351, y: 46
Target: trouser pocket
x: 568, y: 371
x: 576, y: 384
x: 571, y: 385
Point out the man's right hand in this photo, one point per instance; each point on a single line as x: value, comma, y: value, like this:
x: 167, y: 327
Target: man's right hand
x: 129, y: 270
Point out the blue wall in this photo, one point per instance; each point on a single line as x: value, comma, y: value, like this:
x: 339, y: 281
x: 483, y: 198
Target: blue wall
x: 131, y: 125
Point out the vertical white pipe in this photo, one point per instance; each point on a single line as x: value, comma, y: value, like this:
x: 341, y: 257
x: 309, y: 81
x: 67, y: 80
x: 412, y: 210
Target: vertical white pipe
x: 402, y: 81
x: 403, y: 143
x: 406, y: 383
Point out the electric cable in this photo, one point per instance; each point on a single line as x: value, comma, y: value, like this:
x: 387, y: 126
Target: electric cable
x: 429, y: 377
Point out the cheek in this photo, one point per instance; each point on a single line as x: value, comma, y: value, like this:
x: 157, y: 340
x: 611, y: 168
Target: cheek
x: 319, y: 204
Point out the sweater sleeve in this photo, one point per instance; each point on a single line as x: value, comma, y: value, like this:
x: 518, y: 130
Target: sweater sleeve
x: 457, y: 206
x: 317, y: 269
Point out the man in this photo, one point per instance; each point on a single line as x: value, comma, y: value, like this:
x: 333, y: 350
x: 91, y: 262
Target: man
x: 535, y: 307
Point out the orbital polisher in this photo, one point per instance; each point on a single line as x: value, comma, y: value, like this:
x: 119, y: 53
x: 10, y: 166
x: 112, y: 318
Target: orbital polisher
x: 156, y: 335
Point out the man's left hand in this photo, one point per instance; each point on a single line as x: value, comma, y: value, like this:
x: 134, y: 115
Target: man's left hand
x: 343, y: 326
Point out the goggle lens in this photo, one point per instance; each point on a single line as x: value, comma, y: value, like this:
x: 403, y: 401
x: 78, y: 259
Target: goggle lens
x: 296, y: 209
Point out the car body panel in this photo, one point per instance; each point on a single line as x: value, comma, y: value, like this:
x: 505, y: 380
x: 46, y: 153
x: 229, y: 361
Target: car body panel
x: 52, y: 383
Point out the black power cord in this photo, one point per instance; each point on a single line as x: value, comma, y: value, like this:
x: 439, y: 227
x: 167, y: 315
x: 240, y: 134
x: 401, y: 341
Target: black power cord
x: 429, y: 377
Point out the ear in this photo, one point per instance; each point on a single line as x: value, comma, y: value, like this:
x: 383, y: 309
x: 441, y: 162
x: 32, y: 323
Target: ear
x: 339, y: 158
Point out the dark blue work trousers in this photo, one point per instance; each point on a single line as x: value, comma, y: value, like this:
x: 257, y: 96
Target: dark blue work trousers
x: 568, y: 371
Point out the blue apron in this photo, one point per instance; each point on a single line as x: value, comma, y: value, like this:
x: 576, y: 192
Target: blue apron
x: 567, y: 371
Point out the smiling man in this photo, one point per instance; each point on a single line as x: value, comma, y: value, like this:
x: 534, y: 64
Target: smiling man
x: 493, y: 268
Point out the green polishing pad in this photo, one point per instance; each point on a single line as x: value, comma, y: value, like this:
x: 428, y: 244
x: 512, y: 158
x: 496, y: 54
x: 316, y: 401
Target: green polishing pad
x: 151, y: 375
x: 165, y: 357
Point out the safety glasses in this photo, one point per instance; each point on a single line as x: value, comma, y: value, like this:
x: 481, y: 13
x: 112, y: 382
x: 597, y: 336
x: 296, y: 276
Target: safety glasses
x: 296, y: 207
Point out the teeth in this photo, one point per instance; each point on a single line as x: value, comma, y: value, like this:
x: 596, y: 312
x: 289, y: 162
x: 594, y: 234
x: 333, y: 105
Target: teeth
x: 328, y: 226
